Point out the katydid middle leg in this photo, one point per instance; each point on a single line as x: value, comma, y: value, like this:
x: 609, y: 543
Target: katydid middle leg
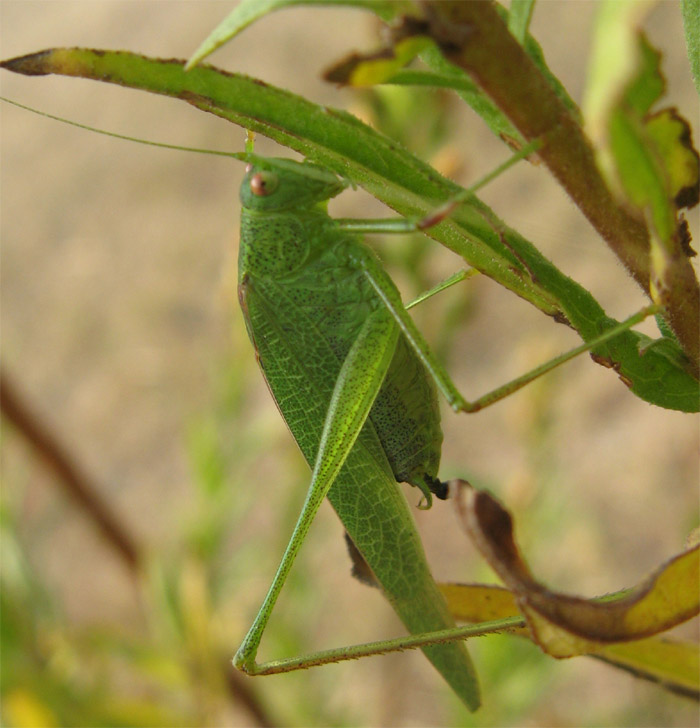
x: 385, y: 289
x: 378, y: 278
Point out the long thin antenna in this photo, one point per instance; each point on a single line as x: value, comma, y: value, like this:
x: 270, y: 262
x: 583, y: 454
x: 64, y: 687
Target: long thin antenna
x: 235, y: 155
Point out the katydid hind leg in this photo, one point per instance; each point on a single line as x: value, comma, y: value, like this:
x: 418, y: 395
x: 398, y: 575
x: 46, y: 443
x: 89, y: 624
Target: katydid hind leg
x: 356, y: 388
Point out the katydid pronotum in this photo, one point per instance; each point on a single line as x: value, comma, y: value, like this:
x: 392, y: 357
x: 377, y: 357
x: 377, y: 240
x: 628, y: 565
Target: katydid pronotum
x: 355, y: 382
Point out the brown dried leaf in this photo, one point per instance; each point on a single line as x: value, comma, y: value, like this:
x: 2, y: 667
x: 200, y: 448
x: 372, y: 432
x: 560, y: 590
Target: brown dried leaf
x: 564, y: 625
x: 673, y: 665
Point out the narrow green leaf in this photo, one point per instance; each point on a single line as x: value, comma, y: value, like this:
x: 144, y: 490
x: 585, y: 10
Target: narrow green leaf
x: 612, y: 60
x: 655, y: 162
x: 450, y: 76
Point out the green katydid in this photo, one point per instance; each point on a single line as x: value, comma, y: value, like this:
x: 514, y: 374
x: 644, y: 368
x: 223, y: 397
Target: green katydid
x: 352, y: 377
x: 354, y: 380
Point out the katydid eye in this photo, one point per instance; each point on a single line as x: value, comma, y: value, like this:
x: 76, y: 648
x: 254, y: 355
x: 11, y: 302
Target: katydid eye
x: 263, y: 184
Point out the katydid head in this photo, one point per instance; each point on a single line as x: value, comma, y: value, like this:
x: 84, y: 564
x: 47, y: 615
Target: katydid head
x: 282, y: 184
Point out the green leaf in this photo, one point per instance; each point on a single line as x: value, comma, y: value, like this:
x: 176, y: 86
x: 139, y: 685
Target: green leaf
x: 653, y: 157
x: 645, y: 85
x: 655, y: 164
x: 613, y: 58
x: 648, y: 159
x: 345, y: 145
x: 640, y: 172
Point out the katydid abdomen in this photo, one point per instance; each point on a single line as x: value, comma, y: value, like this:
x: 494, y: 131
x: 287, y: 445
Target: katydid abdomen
x: 305, y: 299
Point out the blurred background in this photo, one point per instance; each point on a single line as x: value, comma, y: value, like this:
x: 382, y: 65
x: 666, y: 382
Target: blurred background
x: 121, y: 329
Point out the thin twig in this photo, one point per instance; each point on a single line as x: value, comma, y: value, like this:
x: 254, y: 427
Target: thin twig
x: 69, y: 474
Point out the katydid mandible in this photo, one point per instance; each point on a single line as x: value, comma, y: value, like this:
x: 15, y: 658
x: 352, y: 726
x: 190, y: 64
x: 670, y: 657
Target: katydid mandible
x: 355, y: 382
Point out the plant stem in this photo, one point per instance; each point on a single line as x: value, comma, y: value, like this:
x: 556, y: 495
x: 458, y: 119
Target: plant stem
x: 76, y: 483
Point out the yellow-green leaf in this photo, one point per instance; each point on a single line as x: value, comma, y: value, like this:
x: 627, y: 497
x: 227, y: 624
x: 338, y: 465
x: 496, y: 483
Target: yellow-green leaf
x: 673, y: 665
x: 669, y: 133
x: 566, y: 625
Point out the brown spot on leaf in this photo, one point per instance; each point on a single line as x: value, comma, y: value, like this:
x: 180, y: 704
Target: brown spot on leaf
x: 33, y: 64
x: 604, y: 361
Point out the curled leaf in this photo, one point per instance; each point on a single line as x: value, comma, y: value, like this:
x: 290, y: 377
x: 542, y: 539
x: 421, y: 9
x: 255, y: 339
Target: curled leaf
x: 564, y: 625
x: 673, y: 665
x: 650, y: 156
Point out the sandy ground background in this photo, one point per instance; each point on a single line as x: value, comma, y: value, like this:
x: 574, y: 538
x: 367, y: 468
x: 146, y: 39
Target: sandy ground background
x: 118, y: 307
